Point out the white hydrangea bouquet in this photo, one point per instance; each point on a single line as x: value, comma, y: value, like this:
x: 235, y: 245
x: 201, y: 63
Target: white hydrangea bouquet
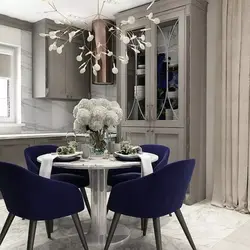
x: 95, y: 116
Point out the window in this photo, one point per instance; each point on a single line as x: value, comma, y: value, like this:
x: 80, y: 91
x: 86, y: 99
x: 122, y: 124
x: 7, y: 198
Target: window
x: 7, y: 84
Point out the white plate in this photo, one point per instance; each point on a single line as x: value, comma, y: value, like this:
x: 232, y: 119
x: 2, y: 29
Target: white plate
x: 69, y: 156
x: 126, y: 157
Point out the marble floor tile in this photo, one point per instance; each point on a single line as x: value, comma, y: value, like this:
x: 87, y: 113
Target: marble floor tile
x: 229, y: 245
x: 241, y: 235
x: 212, y: 228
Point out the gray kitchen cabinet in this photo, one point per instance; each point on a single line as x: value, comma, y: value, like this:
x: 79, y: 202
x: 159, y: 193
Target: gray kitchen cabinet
x: 57, y: 76
x: 12, y: 151
x: 137, y: 136
x: 162, y: 90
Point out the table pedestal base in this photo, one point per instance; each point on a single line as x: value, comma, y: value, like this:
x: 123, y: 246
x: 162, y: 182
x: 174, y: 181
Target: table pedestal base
x: 121, y: 235
x: 99, y: 228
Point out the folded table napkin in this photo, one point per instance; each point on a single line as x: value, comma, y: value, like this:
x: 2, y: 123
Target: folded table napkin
x: 146, y: 164
x: 46, y: 165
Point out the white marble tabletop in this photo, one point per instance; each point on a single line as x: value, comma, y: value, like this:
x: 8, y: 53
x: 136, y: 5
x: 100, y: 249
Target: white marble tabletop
x: 99, y: 163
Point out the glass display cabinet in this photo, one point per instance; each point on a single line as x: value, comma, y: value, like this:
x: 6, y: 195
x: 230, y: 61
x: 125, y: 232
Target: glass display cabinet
x: 162, y: 89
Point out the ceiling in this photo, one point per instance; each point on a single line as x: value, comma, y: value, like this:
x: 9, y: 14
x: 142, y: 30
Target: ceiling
x: 33, y: 10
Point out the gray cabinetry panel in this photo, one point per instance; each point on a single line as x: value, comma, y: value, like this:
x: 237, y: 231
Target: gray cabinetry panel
x: 57, y: 76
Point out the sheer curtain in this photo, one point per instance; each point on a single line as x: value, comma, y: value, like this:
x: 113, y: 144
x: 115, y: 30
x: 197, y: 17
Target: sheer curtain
x: 232, y: 126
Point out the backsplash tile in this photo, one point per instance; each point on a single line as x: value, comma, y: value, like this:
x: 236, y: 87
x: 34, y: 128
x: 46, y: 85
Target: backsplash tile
x: 40, y: 115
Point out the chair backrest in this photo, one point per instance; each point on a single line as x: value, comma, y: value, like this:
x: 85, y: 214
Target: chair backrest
x: 33, y: 197
x: 154, y: 195
x: 160, y: 150
x: 171, y: 183
x: 31, y: 154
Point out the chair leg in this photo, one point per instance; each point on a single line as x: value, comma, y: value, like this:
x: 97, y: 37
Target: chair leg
x: 31, y: 236
x: 112, y: 230
x: 79, y: 229
x: 86, y: 200
x: 185, y: 228
x: 6, y: 227
x: 49, y: 227
x: 157, y: 230
x: 145, y: 227
x: 142, y: 224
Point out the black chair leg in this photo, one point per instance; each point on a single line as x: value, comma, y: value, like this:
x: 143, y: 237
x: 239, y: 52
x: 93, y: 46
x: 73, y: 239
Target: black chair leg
x: 86, y: 200
x: 6, y: 227
x: 49, y: 227
x: 185, y: 228
x: 142, y: 224
x: 157, y: 230
x: 31, y: 236
x: 112, y: 230
x: 79, y: 229
x: 145, y: 227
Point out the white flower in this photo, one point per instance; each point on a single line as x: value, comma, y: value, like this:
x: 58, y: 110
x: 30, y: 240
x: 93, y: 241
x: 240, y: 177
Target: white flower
x: 119, y: 113
x: 84, y: 104
x: 95, y: 125
x: 83, y: 116
x: 148, y: 44
x: 111, y: 119
x: 75, y: 110
x: 115, y: 104
x: 78, y: 128
x: 98, y: 113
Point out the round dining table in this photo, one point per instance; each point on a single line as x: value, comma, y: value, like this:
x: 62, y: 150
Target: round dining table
x: 98, y: 171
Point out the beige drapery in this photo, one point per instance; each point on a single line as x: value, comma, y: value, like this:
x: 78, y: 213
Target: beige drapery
x: 232, y: 125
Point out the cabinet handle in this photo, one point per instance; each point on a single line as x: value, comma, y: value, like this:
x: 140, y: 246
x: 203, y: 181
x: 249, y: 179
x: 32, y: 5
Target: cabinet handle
x: 147, y: 115
x: 150, y: 112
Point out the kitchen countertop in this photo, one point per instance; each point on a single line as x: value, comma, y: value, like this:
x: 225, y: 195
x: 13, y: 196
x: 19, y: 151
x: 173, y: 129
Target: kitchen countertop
x: 39, y: 135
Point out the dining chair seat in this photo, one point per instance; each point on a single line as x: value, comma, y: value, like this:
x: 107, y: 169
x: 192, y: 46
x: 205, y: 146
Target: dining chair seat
x: 30, y: 196
x: 153, y: 196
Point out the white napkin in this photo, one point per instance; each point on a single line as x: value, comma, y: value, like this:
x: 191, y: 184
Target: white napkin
x: 46, y: 165
x: 146, y: 165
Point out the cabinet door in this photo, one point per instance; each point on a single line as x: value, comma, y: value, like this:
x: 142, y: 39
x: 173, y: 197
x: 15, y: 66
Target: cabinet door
x: 172, y: 138
x: 134, y: 76
x: 169, y: 65
x: 13, y: 153
x: 77, y: 85
x: 56, y: 84
x: 137, y: 136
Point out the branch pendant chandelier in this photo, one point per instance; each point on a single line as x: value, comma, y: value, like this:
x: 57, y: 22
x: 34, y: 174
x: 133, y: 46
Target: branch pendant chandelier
x: 97, y: 57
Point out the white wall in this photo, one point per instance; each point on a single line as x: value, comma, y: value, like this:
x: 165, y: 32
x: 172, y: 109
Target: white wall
x: 213, y: 55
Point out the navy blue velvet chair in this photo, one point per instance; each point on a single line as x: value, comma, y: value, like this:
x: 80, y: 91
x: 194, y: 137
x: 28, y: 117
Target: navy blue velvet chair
x: 35, y: 198
x: 78, y: 178
x: 153, y: 196
x: 116, y: 176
